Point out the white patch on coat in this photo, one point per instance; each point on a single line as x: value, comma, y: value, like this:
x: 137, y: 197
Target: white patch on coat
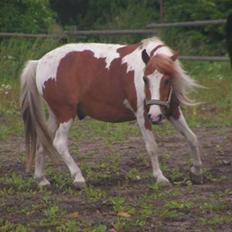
x: 48, y: 64
x: 128, y: 105
x: 154, y: 86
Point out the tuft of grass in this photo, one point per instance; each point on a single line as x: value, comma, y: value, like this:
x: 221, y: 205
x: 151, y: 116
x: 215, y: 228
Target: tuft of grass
x: 118, y: 203
x: 216, y: 220
x: 93, y: 194
x: 8, y: 226
x: 18, y: 183
x: 178, y: 205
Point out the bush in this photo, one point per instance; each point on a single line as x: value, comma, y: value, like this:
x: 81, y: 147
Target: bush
x: 29, y: 16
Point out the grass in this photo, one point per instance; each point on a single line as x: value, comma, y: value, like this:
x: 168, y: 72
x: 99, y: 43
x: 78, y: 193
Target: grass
x: 127, y: 199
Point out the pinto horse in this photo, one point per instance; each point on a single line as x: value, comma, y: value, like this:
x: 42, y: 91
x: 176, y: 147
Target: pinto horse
x: 108, y: 82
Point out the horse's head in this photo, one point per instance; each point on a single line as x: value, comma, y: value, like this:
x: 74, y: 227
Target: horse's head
x: 158, y: 75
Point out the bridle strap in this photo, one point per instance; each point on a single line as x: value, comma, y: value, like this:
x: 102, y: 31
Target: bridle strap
x: 156, y: 48
x: 159, y: 102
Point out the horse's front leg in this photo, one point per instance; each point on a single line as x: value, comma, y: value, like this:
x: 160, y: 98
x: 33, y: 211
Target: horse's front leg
x: 151, y: 147
x: 181, y: 126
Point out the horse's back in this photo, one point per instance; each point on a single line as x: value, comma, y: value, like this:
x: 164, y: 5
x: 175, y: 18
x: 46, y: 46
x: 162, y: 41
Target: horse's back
x: 90, y: 74
x: 48, y: 65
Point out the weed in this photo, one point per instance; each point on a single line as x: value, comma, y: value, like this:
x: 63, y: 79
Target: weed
x: 53, y: 217
x: 100, y: 228
x: 6, y: 226
x: 169, y: 214
x: 92, y: 194
x: 69, y: 226
x: 134, y: 174
x: 213, y: 206
x: 19, y: 183
x: 216, y: 220
x: 118, y: 203
x: 178, y: 205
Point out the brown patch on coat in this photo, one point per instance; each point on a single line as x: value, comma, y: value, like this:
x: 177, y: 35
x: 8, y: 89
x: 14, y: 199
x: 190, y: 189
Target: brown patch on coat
x: 174, y: 109
x: 83, y: 80
x: 126, y: 50
x: 147, y: 122
x: 165, y: 87
x: 146, y: 88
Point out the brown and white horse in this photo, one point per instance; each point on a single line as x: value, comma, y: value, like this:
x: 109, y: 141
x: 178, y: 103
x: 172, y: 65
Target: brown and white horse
x: 108, y: 82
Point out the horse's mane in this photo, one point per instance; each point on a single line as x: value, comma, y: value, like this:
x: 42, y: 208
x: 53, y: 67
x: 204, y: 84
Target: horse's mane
x: 183, y: 85
x: 162, y: 61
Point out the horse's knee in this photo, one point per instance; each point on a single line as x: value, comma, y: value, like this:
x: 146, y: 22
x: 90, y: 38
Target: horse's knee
x: 59, y: 144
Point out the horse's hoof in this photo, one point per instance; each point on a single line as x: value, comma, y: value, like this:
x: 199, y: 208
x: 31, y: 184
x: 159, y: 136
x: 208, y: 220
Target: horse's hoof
x: 163, y: 181
x: 196, y: 179
x: 42, y: 182
x: 79, y: 185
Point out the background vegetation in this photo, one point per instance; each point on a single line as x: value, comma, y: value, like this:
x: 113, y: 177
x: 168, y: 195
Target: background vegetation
x: 55, y: 15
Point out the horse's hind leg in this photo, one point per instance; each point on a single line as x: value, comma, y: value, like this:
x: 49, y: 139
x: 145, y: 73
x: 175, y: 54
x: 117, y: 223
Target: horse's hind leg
x: 181, y: 126
x: 39, y: 174
x: 61, y: 144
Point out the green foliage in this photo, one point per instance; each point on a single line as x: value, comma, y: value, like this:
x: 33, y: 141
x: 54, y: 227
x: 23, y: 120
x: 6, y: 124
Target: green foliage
x: 29, y: 16
x: 93, y: 194
x: 199, y: 40
x: 118, y: 203
x: 8, y: 226
x: 17, y: 182
x: 100, y: 228
x: 39, y: 16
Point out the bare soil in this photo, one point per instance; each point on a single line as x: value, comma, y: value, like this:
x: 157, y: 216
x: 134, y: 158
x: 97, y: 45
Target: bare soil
x: 98, y: 162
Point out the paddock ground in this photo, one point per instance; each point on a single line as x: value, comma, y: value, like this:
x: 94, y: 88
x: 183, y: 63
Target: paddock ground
x: 121, y: 193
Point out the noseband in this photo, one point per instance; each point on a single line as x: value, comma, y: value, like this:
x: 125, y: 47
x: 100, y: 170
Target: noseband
x: 165, y: 104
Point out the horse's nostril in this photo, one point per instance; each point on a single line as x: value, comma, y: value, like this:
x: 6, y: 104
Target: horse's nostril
x: 149, y: 116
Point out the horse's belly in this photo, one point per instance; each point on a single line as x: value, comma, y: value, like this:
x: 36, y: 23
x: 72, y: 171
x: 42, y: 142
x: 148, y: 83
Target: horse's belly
x: 107, y: 112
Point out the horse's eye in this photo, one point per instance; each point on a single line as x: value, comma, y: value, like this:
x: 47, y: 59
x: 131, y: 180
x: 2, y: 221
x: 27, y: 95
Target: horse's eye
x: 145, y: 79
x: 167, y: 81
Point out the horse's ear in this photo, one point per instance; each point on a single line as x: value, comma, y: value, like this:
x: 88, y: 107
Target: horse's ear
x: 145, y: 56
x: 175, y: 56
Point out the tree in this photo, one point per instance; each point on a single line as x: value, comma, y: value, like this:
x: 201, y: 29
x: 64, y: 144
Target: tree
x: 29, y: 16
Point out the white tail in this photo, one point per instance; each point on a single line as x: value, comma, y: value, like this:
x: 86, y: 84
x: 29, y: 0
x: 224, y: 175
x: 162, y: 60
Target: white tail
x: 33, y: 114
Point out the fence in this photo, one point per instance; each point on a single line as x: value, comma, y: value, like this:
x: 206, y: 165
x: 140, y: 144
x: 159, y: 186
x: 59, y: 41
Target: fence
x: 150, y: 30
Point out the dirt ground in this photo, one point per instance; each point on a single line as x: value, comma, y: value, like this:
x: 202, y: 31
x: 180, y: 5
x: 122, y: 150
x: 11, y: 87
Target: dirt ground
x: 123, y: 169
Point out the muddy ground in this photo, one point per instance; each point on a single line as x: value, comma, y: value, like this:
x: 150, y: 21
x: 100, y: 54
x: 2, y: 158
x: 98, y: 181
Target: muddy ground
x: 122, y: 171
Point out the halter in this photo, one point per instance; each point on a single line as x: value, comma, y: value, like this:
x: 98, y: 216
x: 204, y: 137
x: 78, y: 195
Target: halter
x: 166, y: 104
x: 151, y: 102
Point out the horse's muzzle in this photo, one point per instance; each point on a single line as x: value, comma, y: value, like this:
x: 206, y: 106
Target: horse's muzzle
x: 157, y: 119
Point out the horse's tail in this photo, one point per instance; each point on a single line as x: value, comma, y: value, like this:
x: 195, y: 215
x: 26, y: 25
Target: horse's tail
x: 229, y: 36
x: 33, y: 114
